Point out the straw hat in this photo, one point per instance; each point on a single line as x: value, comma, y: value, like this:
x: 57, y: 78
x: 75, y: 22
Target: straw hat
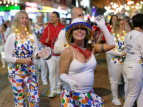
x: 76, y: 23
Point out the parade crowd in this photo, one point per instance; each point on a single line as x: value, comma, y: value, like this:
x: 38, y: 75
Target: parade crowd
x: 72, y: 62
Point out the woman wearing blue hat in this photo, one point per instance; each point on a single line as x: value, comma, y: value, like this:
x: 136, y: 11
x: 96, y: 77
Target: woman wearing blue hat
x: 77, y: 64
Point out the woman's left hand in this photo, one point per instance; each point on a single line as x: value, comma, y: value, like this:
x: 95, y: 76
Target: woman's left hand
x: 100, y: 21
x: 123, y: 53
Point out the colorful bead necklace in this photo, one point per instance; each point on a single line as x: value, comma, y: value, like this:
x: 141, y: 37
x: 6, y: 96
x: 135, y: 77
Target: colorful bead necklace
x: 84, y: 51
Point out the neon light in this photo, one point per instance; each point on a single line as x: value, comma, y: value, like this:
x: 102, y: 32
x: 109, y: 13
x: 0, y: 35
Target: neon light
x: 11, y: 7
x: 31, y: 9
x: 31, y: 4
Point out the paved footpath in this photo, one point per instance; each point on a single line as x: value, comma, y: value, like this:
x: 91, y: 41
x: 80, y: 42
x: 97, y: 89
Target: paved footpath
x: 101, y: 87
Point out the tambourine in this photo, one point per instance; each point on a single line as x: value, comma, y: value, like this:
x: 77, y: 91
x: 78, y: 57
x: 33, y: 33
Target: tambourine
x: 46, y: 53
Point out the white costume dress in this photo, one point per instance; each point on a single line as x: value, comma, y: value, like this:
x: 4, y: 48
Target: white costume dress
x: 116, y: 65
x: 133, y: 68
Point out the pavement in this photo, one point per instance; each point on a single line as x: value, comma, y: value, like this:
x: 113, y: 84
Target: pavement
x: 101, y: 87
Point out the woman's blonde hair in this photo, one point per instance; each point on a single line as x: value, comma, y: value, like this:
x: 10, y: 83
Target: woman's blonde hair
x: 16, y: 20
x: 116, y: 26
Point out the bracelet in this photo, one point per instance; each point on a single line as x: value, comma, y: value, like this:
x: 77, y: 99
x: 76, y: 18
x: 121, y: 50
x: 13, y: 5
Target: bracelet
x: 102, y: 48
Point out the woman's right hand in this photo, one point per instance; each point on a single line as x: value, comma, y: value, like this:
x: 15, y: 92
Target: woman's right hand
x: 73, y: 85
x: 28, y: 61
x: 123, y: 53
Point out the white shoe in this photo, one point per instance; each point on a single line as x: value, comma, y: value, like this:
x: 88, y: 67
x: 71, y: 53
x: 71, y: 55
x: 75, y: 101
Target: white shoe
x: 116, y: 102
x: 45, y: 83
x: 3, y: 66
x: 52, y: 95
x: 58, y: 91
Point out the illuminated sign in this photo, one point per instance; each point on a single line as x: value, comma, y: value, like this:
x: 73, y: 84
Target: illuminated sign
x: 31, y: 4
x: 1, y: 13
x: 50, y: 9
x: 11, y: 7
x: 13, y: 12
x: 31, y: 9
x: 47, y: 9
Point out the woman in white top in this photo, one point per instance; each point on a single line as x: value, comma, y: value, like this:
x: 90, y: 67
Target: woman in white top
x: 133, y: 68
x: 117, y: 58
x: 20, y: 47
x: 77, y: 64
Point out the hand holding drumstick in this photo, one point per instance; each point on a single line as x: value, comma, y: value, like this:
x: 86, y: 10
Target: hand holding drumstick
x: 47, y: 39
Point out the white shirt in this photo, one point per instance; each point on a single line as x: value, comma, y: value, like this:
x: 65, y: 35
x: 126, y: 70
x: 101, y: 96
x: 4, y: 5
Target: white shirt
x: 134, y: 47
x: 60, y: 43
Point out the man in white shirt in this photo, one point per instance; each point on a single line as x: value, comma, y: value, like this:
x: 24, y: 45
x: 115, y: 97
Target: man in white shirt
x: 61, y: 42
x: 38, y: 29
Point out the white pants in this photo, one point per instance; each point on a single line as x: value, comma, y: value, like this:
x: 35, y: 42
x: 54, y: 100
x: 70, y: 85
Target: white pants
x: 43, y: 69
x: 116, y: 70
x: 135, y: 82
x: 2, y: 53
x: 54, y: 78
x: 109, y: 69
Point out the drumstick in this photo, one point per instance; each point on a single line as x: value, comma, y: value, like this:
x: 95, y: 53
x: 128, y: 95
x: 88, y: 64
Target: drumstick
x: 48, y: 31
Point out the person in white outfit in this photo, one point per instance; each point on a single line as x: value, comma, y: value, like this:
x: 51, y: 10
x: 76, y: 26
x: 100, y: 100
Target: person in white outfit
x: 116, y: 60
x: 132, y: 67
x: 38, y: 29
x: 48, y: 38
x: 77, y: 91
x: 61, y: 43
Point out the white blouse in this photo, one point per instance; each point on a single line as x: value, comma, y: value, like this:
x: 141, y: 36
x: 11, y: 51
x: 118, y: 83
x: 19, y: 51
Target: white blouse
x: 134, y: 47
